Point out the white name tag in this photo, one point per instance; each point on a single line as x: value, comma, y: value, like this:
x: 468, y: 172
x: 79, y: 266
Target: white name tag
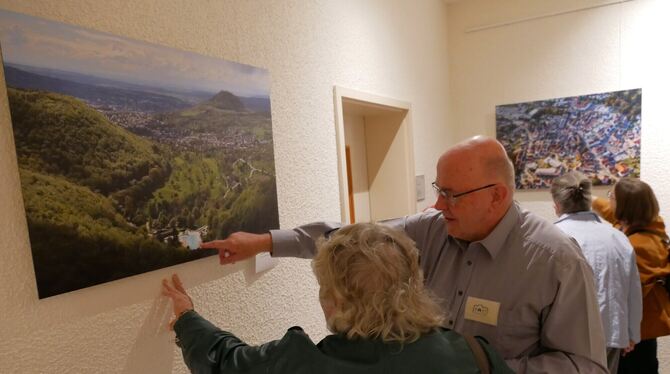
x: 481, y: 310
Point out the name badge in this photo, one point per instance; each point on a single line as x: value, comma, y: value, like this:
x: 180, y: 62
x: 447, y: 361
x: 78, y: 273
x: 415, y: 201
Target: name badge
x: 481, y: 310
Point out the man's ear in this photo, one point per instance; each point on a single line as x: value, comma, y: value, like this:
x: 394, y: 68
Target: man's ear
x: 500, y: 193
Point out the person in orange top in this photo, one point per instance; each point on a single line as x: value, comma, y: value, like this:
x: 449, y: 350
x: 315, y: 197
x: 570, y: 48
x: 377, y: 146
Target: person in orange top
x: 633, y: 208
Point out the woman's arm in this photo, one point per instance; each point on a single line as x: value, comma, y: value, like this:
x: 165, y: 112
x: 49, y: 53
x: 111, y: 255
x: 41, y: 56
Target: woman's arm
x: 208, y: 349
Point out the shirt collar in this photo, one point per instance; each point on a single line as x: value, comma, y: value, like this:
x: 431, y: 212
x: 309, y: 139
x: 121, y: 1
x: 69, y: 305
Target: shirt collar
x: 493, y: 242
x: 586, y: 215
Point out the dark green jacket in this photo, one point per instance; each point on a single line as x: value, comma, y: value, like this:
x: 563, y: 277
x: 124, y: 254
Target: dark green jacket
x: 207, y: 349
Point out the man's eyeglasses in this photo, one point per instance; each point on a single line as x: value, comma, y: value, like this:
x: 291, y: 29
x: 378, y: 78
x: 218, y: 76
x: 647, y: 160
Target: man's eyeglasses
x: 452, y: 198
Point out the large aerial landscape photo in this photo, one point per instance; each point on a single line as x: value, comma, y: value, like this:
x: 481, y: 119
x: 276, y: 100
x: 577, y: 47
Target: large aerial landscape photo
x: 597, y: 134
x: 130, y: 154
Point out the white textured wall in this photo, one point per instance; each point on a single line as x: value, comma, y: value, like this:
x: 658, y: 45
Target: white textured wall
x: 396, y: 49
x: 603, y: 49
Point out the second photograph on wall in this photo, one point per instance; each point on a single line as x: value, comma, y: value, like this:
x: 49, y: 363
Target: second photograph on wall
x: 597, y: 134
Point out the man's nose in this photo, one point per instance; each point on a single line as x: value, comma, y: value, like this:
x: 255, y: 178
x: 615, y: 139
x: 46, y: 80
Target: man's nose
x: 441, y: 203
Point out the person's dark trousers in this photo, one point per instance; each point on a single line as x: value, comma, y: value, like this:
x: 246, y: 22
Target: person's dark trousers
x: 642, y: 360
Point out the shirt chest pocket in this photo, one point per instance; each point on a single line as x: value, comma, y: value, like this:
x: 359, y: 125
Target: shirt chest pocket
x: 518, y: 331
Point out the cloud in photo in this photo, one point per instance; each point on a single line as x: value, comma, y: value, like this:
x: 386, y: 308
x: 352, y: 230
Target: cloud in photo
x: 42, y: 43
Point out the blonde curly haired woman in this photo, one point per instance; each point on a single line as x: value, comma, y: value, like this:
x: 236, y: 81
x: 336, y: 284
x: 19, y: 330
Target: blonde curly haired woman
x: 372, y: 294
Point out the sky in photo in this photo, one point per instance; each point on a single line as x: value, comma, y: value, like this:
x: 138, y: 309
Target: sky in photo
x: 42, y: 43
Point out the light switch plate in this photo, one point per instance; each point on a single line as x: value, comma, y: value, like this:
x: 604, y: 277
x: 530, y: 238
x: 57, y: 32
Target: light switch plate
x: 420, y: 187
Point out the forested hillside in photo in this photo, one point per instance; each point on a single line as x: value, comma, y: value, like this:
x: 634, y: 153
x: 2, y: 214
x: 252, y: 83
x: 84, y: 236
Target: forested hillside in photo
x: 107, y: 198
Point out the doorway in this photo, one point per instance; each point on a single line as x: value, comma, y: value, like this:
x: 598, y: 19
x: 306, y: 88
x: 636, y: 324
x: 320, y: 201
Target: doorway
x: 375, y: 156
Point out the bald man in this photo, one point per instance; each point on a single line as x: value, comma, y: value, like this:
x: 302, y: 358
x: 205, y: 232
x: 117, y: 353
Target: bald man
x: 501, y: 272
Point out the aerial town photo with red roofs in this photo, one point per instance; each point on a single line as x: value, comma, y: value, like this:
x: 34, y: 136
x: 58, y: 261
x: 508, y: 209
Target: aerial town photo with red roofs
x: 597, y: 134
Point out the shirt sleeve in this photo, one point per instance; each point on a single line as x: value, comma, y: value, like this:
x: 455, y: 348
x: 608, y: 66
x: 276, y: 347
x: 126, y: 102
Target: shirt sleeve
x: 208, y: 349
x: 569, y: 344
x: 634, y: 302
x: 301, y: 241
x: 421, y: 228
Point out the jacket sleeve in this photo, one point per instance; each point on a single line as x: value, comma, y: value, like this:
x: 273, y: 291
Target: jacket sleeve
x: 634, y: 302
x: 208, y: 349
x: 648, y: 258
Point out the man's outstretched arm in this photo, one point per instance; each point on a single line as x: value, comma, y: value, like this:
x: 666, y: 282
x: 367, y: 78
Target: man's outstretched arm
x: 299, y: 242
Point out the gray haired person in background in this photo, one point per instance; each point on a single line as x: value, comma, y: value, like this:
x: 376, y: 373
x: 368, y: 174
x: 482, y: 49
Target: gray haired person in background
x: 612, y: 259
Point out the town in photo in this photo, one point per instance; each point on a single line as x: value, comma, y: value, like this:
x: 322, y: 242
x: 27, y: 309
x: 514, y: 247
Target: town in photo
x: 597, y: 134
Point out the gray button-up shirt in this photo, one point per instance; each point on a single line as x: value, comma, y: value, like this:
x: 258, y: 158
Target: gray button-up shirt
x: 548, y: 319
x: 612, y: 259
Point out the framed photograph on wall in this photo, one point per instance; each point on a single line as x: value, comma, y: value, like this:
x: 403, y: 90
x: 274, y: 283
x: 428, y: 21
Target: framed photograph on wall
x: 597, y: 134
x: 131, y: 154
